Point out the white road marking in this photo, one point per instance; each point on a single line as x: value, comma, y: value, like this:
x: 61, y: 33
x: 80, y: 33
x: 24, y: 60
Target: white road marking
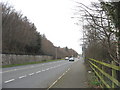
x: 38, y: 71
x: 8, y: 71
x: 22, y: 76
x: 54, y: 82
x: 9, y: 80
x: 15, y: 69
x: 68, y: 70
x: 24, y: 68
x: 47, y: 69
x: 43, y: 70
x: 61, y: 76
x: 31, y: 74
x: 58, y: 79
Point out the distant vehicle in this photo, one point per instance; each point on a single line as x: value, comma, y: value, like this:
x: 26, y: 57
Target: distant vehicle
x: 66, y: 58
x: 71, y: 59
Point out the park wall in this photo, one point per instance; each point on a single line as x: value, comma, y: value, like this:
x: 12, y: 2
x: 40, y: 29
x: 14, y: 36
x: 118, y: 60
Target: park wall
x: 8, y: 59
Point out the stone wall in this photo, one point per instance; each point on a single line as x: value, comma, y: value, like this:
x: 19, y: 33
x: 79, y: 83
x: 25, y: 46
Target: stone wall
x: 8, y: 59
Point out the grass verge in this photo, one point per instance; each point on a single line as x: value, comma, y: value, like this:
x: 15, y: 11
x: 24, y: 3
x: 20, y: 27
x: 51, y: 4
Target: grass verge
x: 93, y: 80
x: 13, y: 65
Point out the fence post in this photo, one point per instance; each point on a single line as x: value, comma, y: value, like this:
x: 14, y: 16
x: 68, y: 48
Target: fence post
x: 102, y: 85
x: 113, y: 74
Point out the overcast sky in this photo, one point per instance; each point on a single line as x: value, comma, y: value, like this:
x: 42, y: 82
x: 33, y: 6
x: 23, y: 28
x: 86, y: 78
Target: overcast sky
x: 53, y: 18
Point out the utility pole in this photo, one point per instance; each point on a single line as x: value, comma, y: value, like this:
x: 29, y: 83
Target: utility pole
x: 83, y: 46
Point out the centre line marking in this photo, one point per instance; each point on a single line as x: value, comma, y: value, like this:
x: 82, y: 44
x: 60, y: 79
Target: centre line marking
x: 47, y: 69
x: 43, y: 70
x: 22, y: 76
x: 38, y: 71
x: 31, y: 74
x: 9, y: 80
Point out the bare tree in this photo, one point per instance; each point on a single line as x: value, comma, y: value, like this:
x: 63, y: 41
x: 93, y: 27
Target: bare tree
x: 19, y: 34
x: 99, y: 29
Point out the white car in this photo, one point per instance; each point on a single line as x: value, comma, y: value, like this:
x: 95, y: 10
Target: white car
x: 71, y: 59
x: 66, y: 58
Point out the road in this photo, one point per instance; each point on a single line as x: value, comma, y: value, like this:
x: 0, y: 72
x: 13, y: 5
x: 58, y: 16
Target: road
x: 76, y: 77
x: 34, y: 76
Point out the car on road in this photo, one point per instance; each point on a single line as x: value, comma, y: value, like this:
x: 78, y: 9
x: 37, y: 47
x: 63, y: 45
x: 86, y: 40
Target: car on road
x: 66, y: 58
x: 71, y: 59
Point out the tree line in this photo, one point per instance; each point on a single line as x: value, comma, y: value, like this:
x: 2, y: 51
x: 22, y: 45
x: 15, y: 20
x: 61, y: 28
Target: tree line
x: 101, y: 31
x: 20, y: 36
